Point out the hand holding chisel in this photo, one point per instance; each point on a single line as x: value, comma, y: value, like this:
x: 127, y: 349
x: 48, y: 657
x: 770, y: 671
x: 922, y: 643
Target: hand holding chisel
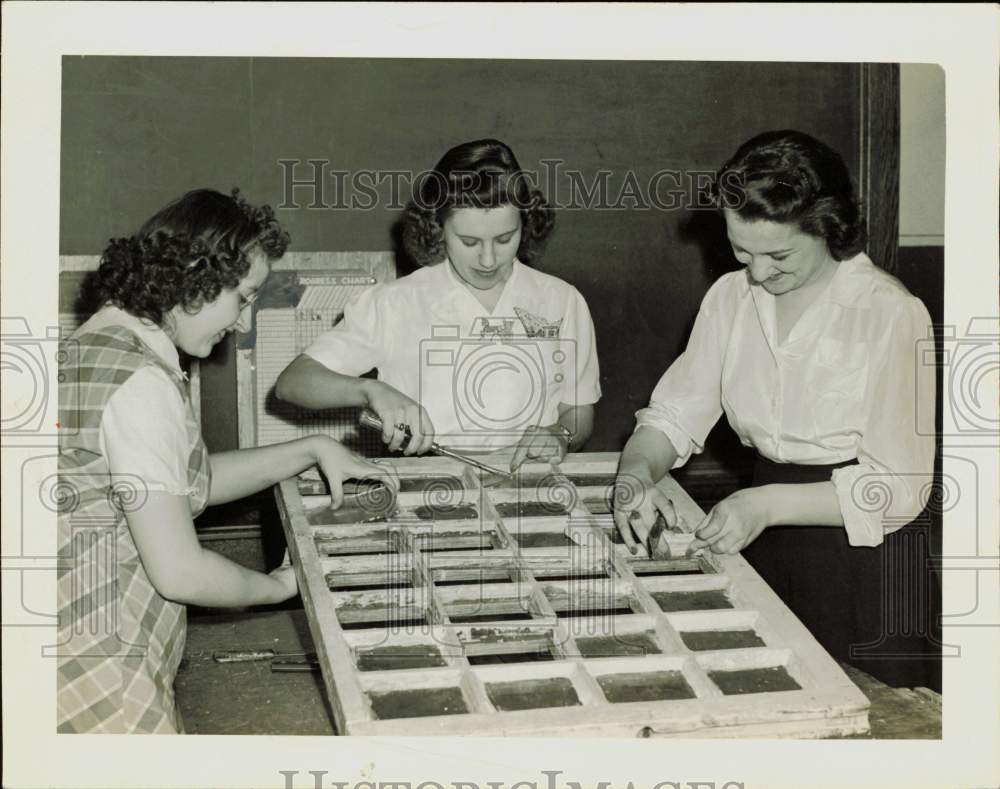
x: 371, y: 420
x: 404, y: 424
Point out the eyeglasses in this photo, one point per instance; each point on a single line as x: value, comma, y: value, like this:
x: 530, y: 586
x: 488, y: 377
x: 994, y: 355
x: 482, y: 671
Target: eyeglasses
x: 246, y: 301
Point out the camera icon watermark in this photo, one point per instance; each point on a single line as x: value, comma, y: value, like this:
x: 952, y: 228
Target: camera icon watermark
x: 91, y: 559
x: 497, y: 384
x: 33, y: 366
x: 84, y: 561
x: 85, y: 504
x: 907, y: 602
x: 905, y: 498
x: 970, y: 363
x: 970, y: 564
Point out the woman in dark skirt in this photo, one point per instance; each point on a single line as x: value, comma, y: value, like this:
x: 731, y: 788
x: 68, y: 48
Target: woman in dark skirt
x: 811, y: 352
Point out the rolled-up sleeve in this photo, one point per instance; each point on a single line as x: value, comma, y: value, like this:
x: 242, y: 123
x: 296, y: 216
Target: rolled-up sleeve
x: 891, y: 483
x: 357, y: 343
x: 687, y: 401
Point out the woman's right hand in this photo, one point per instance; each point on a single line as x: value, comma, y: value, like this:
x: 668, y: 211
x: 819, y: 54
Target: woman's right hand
x: 397, y: 412
x: 286, y: 584
x: 338, y: 463
x: 637, y: 504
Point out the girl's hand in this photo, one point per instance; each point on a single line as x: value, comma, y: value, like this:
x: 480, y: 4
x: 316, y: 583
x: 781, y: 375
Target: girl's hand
x: 338, y: 463
x: 286, y: 587
x: 541, y: 443
x: 734, y: 522
x: 637, y: 504
x: 398, y: 412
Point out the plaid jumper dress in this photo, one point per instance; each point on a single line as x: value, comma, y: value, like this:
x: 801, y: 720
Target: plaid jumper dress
x: 120, y: 642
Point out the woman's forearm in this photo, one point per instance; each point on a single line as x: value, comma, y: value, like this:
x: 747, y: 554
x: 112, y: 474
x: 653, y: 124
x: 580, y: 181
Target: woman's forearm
x: 217, y: 582
x: 241, y: 472
x: 647, y: 455
x: 307, y: 383
x: 739, y: 519
x: 809, y: 503
x: 180, y: 569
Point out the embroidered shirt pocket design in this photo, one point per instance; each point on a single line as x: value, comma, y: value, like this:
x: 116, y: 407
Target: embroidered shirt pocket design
x: 537, y: 326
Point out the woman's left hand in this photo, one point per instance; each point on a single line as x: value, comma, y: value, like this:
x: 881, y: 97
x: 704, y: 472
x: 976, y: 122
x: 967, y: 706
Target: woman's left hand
x: 338, y: 463
x: 734, y: 522
x: 541, y: 443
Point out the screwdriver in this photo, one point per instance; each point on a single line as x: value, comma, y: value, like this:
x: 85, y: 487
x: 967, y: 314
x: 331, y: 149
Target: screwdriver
x: 370, y: 419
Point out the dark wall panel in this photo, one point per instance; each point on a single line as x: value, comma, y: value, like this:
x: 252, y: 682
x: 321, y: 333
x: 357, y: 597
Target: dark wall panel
x: 140, y: 131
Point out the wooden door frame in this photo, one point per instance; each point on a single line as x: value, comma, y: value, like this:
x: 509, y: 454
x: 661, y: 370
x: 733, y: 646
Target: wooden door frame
x: 878, y: 171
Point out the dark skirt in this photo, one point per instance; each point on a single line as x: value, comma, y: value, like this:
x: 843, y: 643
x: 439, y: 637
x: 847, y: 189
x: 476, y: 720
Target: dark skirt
x: 874, y: 608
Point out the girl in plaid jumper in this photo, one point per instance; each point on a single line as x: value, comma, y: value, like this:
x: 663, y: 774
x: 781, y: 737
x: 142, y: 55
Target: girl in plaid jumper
x: 134, y: 471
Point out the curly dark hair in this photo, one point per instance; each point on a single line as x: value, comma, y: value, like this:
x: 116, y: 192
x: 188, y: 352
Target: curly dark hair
x: 476, y: 174
x: 186, y: 254
x: 789, y: 177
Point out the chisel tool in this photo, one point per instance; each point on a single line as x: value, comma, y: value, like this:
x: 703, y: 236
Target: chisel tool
x: 371, y: 420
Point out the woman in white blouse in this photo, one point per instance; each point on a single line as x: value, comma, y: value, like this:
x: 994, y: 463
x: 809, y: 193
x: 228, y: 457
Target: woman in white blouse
x: 811, y: 352
x: 477, y: 349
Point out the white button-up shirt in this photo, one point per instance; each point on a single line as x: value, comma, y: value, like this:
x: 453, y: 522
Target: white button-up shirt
x: 483, y: 377
x: 844, y: 384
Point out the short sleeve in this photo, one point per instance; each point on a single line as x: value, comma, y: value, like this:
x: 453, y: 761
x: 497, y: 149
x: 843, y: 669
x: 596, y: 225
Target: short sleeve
x: 144, y: 433
x: 891, y: 482
x: 356, y: 344
x: 687, y: 400
x: 586, y: 389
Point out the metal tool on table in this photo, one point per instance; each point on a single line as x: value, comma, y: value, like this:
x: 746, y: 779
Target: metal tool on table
x: 290, y: 666
x: 251, y: 655
x: 280, y: 661
x: 372, y: 420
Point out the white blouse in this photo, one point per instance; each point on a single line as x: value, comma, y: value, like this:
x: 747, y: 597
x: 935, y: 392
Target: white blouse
x: 844, y: 384
x: 483, y: 377
x: 142, y: 428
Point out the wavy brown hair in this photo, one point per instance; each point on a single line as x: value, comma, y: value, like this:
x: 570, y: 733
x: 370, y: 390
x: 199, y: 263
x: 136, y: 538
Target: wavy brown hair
x: 477, y: 174
x: 789, y: 177
x: 186, y: 254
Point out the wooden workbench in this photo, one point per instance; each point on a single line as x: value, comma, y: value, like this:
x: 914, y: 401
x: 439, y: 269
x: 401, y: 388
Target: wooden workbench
x: 248, y: 698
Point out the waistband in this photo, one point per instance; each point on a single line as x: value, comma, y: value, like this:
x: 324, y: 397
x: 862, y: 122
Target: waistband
x: 766, y: 471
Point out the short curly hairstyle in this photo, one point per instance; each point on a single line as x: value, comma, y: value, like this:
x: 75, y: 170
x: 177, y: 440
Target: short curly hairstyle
x: 186, y: 254
x: 787, y: 176
x: 476, y: 174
